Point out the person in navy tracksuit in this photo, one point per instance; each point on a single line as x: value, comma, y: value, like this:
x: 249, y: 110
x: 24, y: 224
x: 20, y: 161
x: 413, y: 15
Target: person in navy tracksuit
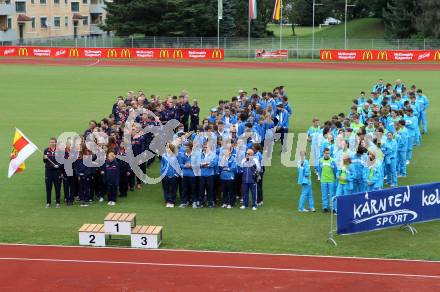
x: 250, y: 168
x: 111, y: 173
x: 53, y: 173
x: 68, y: 181
x: 85, y: 177
x: 138, y: 147
x: 124, y: 172
x: 195, y: 112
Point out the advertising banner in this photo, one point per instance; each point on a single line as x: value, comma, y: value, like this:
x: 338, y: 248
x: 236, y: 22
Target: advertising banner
x: 381, y: 55
x: 114, y: 53
x: 387, y: 208
x: 266, y: 54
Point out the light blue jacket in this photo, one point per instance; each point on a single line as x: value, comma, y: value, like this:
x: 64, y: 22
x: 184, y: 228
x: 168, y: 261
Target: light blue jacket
x: 304, y: 173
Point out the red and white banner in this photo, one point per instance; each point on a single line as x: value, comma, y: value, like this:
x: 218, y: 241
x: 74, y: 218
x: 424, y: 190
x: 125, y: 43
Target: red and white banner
x: 381, y: 55
x: 114, y: 53
x: 265, y: 54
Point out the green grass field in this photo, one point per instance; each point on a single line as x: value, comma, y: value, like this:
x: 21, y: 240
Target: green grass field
x: 357, y: 28
x: 45, y: 101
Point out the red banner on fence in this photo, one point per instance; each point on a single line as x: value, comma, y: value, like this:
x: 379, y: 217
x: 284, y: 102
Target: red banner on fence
x: 380, y: 55
x: 114, y: 53
x: 278, y: 54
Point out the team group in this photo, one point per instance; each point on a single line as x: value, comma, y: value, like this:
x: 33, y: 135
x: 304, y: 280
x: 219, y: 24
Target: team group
x: 371, y: 145
x: 217, y: 161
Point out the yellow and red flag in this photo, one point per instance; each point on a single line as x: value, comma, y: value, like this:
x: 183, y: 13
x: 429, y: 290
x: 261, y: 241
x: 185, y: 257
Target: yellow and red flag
x: 277, y: 10
x: 22, y: 148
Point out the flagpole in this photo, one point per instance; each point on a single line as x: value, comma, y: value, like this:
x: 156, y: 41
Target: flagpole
x: 281, y: 25
x: 249, y: 32
x: 218, y: 23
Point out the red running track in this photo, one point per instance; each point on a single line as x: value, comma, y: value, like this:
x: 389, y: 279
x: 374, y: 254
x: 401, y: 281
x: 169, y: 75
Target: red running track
x: 50, y: 268
x: 225, y: 64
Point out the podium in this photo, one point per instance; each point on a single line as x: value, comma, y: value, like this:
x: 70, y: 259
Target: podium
x: 124, y: 224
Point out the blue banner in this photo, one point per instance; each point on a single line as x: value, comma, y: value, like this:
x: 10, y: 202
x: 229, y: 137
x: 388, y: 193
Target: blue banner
x: 387, y: 208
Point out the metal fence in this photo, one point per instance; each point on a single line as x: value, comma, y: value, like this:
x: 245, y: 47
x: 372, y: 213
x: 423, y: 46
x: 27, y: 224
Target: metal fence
x: 299, y: 47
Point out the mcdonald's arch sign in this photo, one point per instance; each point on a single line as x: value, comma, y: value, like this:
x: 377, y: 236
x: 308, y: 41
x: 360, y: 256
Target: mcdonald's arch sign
x: 115, y: 53
x: 381, y: 55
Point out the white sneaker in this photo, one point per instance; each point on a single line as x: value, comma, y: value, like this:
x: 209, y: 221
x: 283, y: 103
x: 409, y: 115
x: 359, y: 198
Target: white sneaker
x: 47, y: 205
x: 171, y: 205
x: 228, y: 207
x: 58, y: 206
x: 109, y: 203
x: 242, y: 207
x: 101, y: 199
x: 194, y: 205
x: 113, y: 203
x: 167, y: 205
x: 260, y: 204
x: 303, y: 210
x: 254, y: 208
x: 407, y: 162
x: 224, y: 206
x: 312, y: 210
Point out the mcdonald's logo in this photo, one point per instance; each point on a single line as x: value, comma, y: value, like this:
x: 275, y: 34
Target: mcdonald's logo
x: 382, y: 55
x: 164, y: 54
x: 73, y: 53
x: 437, y: 56
x: 23, y: 52
x: 125, y: 53
x: 177, y: 54
x: 326, y: 55
x: 112, y: 53
x: 367, y: 55
x: 217, y: 54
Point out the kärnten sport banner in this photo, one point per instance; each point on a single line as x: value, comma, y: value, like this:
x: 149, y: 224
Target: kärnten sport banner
x: 388, y: 208
x: 380, y: 55
x: 114, y: 53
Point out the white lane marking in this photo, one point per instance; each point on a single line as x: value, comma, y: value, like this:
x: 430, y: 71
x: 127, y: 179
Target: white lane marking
x: 219, y: 252
x: 93, y: 64
x: 221, y: 267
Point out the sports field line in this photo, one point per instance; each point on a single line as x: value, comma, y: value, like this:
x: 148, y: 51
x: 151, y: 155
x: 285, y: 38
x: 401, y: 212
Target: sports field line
x: 221, y: 252
x: 221, y: 267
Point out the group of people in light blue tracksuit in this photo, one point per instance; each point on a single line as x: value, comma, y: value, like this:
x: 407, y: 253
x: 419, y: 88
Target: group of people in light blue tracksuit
x: 365, y: 149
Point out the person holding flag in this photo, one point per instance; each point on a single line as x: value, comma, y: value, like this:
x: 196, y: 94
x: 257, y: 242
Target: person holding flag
x: 52, y: 173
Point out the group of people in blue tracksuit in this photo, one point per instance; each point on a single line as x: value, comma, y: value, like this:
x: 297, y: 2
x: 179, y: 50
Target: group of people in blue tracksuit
x: 366, y: 148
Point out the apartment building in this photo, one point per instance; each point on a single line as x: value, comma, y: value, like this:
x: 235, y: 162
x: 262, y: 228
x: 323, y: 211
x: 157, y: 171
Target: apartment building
x: 30, y: 19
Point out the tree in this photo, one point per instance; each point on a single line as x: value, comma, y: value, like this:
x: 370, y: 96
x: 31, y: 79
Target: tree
x: 302, y: 13
x: 227, y: 24
x: 259, y: 25
x: 399, y: 18
x: 185, y: 17
x: 427, y: 18
x: 162, y: 17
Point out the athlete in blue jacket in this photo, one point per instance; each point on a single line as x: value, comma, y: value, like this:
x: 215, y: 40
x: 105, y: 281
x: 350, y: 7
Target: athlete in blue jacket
x: 423, y: 102
x: 227, y: 168
x: 389, y: 149
x: 305, y: 181
x: 402, y: 147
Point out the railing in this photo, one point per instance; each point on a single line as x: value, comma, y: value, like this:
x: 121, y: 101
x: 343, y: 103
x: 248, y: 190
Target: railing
x: 298, y: 47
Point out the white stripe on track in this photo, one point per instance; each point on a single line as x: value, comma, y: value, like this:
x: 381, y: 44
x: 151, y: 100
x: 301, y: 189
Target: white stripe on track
x: 222, y: 267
